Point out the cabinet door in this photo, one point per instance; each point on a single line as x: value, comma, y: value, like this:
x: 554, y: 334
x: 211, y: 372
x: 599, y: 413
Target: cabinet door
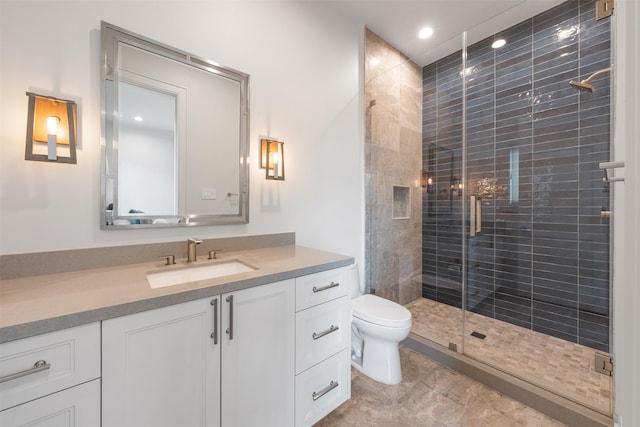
x: 75, y: 406
x: 162, y: 367
x: 258, y: 356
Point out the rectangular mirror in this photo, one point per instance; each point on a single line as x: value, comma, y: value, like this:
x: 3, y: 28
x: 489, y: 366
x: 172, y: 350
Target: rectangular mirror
x: 174, y: 136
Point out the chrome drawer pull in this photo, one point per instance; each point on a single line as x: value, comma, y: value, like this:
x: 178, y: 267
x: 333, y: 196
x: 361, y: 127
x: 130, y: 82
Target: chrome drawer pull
x: 331, y: 329
x: 317, y: 395
x: 39, y: 366
x: 324, y: 288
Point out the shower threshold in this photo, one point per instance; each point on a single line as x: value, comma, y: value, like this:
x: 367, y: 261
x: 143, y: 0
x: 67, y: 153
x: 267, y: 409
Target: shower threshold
x: 560, y: 408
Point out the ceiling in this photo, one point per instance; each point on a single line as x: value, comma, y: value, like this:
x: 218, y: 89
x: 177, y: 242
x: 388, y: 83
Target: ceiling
x: 398, y: 21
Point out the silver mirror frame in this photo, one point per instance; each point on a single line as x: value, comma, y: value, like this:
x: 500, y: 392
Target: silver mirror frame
x: 111, y: 36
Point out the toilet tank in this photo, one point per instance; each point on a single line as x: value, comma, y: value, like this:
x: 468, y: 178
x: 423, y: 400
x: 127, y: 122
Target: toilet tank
x: 355, y: 288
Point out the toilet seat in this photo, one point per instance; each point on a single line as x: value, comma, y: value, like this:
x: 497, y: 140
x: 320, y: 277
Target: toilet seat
x: 380, y: 311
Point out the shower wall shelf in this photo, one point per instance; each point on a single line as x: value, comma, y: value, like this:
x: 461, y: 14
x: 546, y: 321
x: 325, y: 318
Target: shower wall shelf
x: 401, y: 202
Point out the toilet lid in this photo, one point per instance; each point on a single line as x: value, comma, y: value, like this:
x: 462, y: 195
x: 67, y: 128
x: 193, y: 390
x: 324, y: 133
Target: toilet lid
x: 380, y: 311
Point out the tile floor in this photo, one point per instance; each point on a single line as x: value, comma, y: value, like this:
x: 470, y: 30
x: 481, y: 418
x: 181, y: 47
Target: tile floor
x: 430, y: 395
x: 555, y: 364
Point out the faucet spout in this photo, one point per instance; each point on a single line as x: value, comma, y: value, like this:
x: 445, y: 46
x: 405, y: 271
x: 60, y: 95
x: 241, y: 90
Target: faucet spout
x: 192, y: 254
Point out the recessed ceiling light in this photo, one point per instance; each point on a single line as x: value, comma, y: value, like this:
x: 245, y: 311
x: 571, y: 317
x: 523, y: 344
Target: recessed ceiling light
x: 138, y: 119
x: 425, y: 33
x: 498, y: 43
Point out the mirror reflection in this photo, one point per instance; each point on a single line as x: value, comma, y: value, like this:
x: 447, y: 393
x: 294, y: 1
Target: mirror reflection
x: 174, y: 136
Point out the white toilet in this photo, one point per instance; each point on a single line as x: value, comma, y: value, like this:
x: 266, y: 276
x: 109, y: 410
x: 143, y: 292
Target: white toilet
x: 377, y: 327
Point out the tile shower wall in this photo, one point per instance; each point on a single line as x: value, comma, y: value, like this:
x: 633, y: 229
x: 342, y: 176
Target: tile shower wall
x: 533, y: 148
x: 393, y: 93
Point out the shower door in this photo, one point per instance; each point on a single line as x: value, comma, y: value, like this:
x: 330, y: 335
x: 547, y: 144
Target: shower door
x: 536, y: 240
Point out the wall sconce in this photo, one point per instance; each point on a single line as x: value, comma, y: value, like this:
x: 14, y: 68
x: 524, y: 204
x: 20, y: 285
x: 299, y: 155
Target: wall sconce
x: 426, y: 180
x: 272, y: 158
x: 51, y: 123
x: 456, y: 186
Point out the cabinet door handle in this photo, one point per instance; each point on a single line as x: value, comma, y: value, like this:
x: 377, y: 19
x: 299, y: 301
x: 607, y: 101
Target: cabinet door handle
x: 230, y: 328
x: 39, y: 366
x: 318, y: 394
x: 214, y: 334
x: 331, y: 329
x: 324, y: 288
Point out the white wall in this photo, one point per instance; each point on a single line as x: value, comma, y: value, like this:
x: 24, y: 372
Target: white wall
x: 304, y: 90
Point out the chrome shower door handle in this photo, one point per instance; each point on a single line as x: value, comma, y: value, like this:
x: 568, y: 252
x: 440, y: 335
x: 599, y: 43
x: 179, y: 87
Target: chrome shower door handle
x: 229, y: 330
x: 478, y: 215
x: 475, y: 215
x: 214, y: 334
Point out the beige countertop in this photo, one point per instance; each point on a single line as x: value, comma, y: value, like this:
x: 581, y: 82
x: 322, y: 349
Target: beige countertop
x: 39, y: 304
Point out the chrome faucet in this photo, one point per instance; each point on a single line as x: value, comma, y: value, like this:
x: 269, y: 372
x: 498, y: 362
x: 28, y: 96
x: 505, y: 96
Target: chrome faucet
x: 192, y: 254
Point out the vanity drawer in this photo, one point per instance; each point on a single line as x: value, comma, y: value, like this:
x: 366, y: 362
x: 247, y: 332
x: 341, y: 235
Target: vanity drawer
x: 317, y: 288
x: 65, y: 358
x: 76, y: 406
x: 322, y: 331
x: 323, y: 388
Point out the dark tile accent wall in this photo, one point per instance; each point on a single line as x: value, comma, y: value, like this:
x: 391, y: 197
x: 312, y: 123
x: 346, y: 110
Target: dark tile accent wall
x: 542, y: 259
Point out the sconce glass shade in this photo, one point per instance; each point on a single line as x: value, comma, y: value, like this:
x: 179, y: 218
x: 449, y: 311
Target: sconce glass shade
x: 272, y: 158
x: 51, y: 124
x: 426, y: 179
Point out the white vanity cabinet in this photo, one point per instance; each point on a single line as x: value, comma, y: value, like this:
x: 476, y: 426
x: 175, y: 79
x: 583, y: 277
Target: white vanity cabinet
x: 162, y: 367
x: 226, y: 360
x: 258, y: 356
x: 323, y: 337
x: 51, y: 379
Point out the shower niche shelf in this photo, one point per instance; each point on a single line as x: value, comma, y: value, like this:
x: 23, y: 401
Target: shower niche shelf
x: 401, y: 202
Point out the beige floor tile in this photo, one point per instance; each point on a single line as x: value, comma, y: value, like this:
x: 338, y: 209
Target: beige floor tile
x: 430, y: 395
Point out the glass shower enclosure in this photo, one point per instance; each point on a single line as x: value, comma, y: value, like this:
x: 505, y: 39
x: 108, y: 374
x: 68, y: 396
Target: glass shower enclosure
x: 515, y: 210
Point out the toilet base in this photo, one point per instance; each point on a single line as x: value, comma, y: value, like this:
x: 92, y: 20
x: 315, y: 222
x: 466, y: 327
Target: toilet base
x: 380, y: 361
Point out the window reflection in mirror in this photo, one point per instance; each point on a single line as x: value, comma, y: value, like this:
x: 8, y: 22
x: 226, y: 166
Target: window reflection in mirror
x: 147, y: 126
x: 174, y: 136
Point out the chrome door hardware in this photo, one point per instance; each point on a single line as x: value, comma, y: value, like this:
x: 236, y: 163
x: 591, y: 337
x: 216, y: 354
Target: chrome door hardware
x: 604, y: 8
x: 39, y: 366
x: 318, y: 394
x: 331, y: 329
x: 324, y: 288
x: 230, y: 328
x: 214, y: 334
x: 605, y: 166
x: 475, y: 215
x: 603, y: 364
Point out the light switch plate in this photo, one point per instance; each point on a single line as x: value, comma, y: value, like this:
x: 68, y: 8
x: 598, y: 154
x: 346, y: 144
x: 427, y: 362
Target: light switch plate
x: 209, y: 193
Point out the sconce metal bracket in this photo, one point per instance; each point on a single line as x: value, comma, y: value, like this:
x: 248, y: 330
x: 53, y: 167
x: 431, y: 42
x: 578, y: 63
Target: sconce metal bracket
x: 272, y: 158
x: 61, y: 107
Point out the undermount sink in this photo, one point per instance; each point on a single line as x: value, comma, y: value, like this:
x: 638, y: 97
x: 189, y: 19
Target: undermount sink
x: 161, y: 279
